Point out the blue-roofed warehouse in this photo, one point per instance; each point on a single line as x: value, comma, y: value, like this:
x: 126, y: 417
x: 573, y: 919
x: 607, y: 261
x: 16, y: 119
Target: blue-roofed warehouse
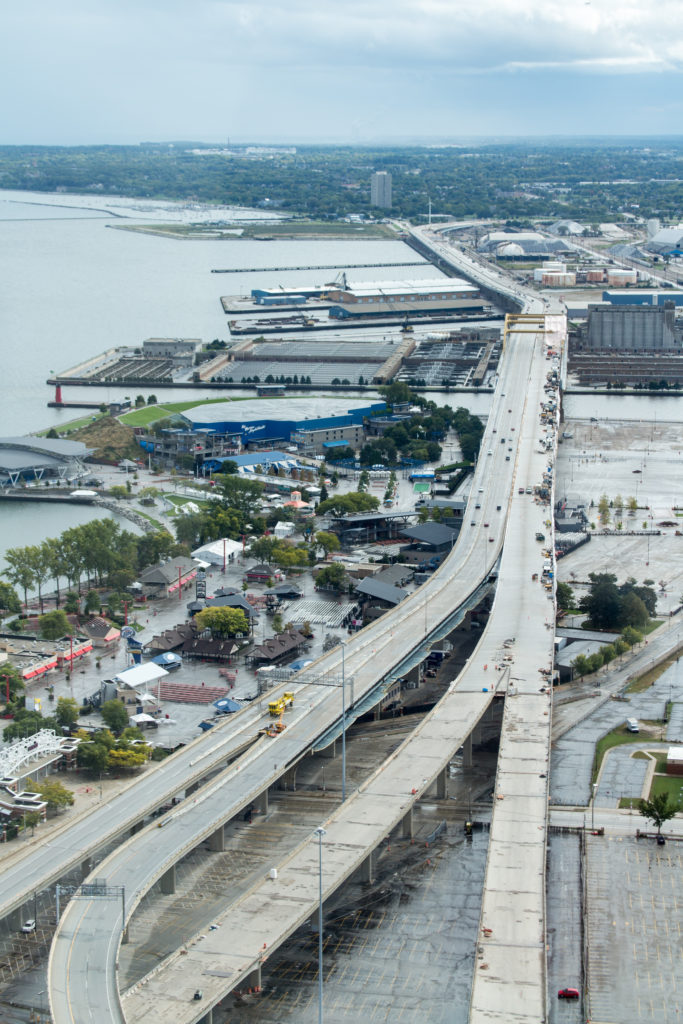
x: 276, y: 419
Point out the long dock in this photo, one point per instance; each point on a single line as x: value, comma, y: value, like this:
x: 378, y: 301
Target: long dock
x: 316, y: 266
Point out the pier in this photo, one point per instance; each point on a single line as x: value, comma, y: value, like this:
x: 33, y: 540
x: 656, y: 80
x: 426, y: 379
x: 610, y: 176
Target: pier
x: 313, y: 266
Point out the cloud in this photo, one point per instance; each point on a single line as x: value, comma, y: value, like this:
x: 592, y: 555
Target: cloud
x: 171, y: 68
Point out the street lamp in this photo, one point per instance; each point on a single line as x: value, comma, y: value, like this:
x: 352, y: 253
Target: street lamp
x: 343, y: 646
x: 595, y: 786
x: 320, y: 832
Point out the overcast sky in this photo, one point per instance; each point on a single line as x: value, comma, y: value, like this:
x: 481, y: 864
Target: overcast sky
x: 97, y: 71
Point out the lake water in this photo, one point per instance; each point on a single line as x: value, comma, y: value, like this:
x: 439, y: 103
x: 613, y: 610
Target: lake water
x: 71, y: 285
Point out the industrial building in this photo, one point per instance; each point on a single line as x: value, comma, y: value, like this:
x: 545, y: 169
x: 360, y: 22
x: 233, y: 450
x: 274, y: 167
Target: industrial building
x: 667, y: 241
x: 636, y: 328
x: 180, y: 350
x: 266, y: 421
x: 519, y: 244
x: 389, y: 298
x: 380, y: 190
x: 634, y: 345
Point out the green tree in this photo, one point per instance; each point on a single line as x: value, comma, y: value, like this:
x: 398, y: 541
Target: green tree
x: 31, y: 820
x: 53, y: 792
x: 347, y: 504
x: 28, y: 723
x: 631, y: 636
x: 659, y: 810
x: 329, y: 542
x: 603, y: 510
x: 114, y: 715
x: 93, y: 756
x: 332, y: 577
x: 66, y: 711
x: 223, y: 621
x: 72, y: 603
x: 633, y: 611
x: 9, y: 601
x: 12, y: 681
x: 53, y: 625
x: 20, y: 569
x: 277, y: 623
x: 92, y: 602
x: 565, y: 596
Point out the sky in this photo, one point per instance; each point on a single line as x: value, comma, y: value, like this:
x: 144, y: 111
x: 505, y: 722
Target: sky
x: 358, y: 71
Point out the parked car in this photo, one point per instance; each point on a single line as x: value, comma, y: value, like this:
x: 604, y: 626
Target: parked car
x: 28, y: 926
x: 568, y: 993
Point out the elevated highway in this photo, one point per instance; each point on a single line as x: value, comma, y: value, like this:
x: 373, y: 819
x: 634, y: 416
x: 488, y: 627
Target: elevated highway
x: 514, y: 658
x: 82, y: 965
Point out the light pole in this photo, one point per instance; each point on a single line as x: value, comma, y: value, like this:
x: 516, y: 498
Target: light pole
x: 595, y: 786
x: 320, y: 832
x: 343, y: 645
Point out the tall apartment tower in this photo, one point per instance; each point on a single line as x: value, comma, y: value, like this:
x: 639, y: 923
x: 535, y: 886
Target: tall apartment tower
x: 380, y: 189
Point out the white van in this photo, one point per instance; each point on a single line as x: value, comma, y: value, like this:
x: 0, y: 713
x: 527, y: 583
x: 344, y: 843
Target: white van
x: 632, y: 725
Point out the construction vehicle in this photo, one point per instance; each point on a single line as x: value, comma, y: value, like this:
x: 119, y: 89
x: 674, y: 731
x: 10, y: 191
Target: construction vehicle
x: 277, y: 707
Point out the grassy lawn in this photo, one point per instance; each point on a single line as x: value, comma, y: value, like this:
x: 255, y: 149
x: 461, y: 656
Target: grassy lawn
x: 83, y: 421
x: 266, y: 229
x: 652, y: 624
x: 155, y: 522
x: 146, y: 414
x: 613, y: 739
x: 181, y: 499
x: 668, y: 784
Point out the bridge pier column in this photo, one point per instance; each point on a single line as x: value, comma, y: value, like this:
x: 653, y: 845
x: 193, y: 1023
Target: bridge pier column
x: 467, y: 752
x: 376, y: 713
x: 217, y: 840
x: 124, y: 936
x: 207, y: 1018
x: 191, y: 789
x: 261, y: 802
x: 440, y: 785
x: 329, y: 751
x: 137, y: 827
x: 86, y: 866
x: 413, y: 676
x: 406, y: 825
x: 253, y: 980
x: 367, y: 868
x: 15, y: 919
x: 168, y: 881
x: 288, y: 780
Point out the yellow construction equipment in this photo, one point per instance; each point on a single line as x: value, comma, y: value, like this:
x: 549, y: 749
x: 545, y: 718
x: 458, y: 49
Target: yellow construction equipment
x: 277, y: 707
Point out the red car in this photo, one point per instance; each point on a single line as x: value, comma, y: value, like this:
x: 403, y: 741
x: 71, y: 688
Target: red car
x: 568, y: 993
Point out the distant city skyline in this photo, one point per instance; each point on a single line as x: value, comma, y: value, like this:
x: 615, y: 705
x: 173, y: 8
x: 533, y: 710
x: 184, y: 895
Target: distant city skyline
x: 406, y: 70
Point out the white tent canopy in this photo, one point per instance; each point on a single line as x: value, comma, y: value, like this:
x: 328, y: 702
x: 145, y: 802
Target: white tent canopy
x: 142, y: 717
x: 215, y: 552
x: 140, y: 675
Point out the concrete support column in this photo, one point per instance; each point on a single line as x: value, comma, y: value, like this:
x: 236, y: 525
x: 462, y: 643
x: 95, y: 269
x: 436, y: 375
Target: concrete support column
x: 441, y: 784
x: 261, y: 802
x: 406, y: 825
x: 253, y: 980
x: 330, y: 751
x: 367, y: 868
x: 376, y: 713
x: 191, y: 789
x: 124, y: 936
x: 467, y: 752
x: 413, y: 676
x: 217, y: 840
x: 208, y: 1017
x: 168, y: 881
x: 86, y: 866
x: 15, y: 919
x: 288, y: 780
x: 137, y: 827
